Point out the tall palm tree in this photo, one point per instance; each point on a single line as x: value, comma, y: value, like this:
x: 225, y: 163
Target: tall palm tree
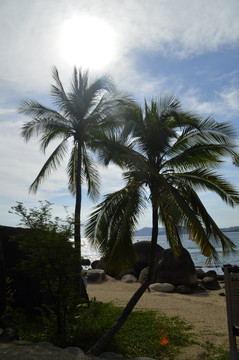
x: 90, y: 109
x: 170, y: 155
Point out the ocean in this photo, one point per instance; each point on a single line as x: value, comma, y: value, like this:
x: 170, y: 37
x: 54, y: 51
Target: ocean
x: 199, y: 260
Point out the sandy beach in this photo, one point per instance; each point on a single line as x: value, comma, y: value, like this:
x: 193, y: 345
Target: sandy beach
x: 207, y: 313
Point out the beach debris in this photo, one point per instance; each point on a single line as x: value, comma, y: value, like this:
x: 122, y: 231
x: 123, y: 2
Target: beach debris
x: 164, y: 340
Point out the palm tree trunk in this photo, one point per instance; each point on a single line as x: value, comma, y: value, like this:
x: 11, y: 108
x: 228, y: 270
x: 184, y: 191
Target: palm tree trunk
x: 77, y: 236
x: 78, y: 206
x: 154, y: 240
x: 99, y: 346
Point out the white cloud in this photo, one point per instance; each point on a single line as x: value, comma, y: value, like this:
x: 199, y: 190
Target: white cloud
x: 30, y: 32
x: 230, y: 97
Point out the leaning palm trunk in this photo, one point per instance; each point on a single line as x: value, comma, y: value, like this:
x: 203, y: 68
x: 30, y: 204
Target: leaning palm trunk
x: 100, y: 345
x: 105, y: 339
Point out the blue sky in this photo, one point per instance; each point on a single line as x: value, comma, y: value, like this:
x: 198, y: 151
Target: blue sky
x: 187, y: 47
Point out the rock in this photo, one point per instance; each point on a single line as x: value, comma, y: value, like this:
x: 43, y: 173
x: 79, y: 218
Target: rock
x: 200, y: 290
x: 211, y: 273
x: 143, y: 275
x: 85, y: 262
x: 184, y: 289
x: 129, y: 279
x: 109, y: 278
x: 162, y: 287
x: 48, y: 345
x: 210, y: 283
x: 142, y: 249
x: 98, y: 264
x: 40, y: 351
x: 74, y: 350
x: 111, y: 355
x: 200, y: 273
x: 176, y: 270
x: 125, y: 272
x: 96, y: 275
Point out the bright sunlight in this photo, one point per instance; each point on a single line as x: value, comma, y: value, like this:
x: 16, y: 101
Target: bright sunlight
x: 88, y: 42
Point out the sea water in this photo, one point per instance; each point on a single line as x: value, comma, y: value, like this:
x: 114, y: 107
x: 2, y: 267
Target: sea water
x: 91, y: 253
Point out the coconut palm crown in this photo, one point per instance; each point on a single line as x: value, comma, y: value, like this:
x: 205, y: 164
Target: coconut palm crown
x: 168, y: 156
x: 90, y: 109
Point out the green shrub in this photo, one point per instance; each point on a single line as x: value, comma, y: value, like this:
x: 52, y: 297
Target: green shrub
x: 49, y: 258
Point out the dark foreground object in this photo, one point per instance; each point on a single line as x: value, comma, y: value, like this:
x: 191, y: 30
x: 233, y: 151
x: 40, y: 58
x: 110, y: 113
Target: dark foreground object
x: 231, y: 276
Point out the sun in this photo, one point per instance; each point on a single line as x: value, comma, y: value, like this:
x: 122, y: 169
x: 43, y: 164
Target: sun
x: 88, y: 42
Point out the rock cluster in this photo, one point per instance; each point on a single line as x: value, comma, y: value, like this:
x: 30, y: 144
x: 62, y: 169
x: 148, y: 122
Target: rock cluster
x: 24, y: 350
x: 172, y: 273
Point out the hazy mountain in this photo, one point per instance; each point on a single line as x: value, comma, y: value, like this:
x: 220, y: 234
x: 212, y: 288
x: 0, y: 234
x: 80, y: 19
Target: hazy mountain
x: 146, y: 231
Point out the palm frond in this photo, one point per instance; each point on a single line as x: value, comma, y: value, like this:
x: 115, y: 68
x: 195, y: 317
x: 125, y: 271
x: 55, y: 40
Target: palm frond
x: 60, y: 98
x: 91, y: 174
x: 72, y: 169
x: 205, y: 179
x: 213, y: 232
x: 51, y: 164
x: 44, y: 119
x: 112, y: 224
x: 179, y: 211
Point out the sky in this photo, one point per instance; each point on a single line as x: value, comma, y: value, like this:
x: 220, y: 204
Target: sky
x: 149, y: 47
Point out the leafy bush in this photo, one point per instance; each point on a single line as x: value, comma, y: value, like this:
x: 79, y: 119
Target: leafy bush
x: 49, y: 258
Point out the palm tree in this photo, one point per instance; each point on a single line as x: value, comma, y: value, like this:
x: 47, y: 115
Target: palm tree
x: 170, y: 155
x: 83, y: 115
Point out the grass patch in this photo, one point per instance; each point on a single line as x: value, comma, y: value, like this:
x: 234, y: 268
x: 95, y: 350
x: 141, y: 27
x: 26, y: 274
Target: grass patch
x: 213, y: 352
x: 140, y: 335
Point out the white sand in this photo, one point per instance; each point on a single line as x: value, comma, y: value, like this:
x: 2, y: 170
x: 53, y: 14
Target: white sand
x: 207, y: 313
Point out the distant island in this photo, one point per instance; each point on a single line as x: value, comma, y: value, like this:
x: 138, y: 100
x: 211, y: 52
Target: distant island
x: 146, y: 231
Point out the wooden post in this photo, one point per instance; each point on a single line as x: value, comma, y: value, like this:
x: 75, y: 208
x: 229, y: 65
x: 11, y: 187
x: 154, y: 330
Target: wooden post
x: 231, y: 277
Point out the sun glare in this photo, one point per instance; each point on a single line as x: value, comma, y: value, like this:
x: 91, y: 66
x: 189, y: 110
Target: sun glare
x: 88, y: 42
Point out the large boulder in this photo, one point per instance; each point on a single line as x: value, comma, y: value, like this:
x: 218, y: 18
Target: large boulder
x: 211, y: 283
x: 142, y: 249
x: 176, y: 270
x: 96, y: 275
x: 200, y: 273
x: 98, y: 264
